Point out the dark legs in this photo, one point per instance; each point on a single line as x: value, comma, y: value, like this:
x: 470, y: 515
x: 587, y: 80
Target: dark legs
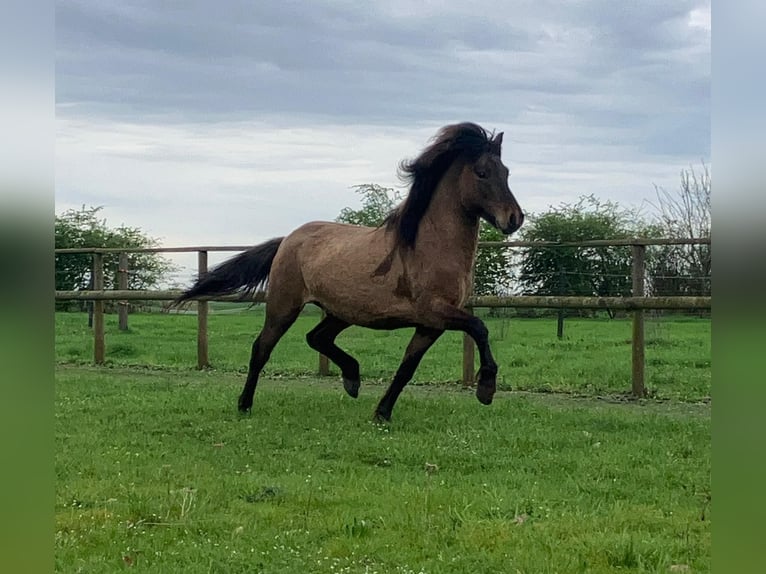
x: 487, y: 383
x: 458, y: 320
x: 420, y: 343
x: 446, y: 317
x: 273, y: 329
x: 322, y: 339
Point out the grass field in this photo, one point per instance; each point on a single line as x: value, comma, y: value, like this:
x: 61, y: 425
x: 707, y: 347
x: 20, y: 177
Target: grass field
x: 157, y: 473
x: 594, y: 357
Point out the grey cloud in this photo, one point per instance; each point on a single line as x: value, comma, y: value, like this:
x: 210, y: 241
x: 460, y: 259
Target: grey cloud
x: 617, y: 65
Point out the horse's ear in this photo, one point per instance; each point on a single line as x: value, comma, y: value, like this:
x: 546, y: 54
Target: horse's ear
x: 497, y: 143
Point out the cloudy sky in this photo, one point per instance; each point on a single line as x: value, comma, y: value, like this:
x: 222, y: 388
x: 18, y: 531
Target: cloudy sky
x: 233, y: 122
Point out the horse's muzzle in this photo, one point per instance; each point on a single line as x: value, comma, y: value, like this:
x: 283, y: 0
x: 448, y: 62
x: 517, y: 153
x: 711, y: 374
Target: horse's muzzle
x: 514, y: 223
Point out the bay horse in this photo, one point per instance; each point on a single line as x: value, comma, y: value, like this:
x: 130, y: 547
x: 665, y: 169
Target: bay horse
x: 415, y: 270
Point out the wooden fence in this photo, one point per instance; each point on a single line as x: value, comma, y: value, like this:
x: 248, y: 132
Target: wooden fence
x: 637, y: 303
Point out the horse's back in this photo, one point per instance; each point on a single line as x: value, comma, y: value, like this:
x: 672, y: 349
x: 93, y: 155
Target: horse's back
x: 335, y: 266
x: 325, y: 243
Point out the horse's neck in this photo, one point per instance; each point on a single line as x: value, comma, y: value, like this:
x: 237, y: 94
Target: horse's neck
x: 447, y: 232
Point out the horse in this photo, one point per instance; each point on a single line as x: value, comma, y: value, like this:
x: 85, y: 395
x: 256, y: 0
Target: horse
x: 414, y: 270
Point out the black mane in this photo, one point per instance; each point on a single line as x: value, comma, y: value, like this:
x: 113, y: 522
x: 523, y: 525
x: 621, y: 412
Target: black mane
x: 466, y: 141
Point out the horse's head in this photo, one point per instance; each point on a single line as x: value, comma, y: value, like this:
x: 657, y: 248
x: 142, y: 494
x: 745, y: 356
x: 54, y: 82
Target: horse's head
x: 485, y: 192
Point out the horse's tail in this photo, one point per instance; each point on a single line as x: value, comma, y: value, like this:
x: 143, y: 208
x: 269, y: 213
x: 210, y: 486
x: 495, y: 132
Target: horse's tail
x: 245, y: 272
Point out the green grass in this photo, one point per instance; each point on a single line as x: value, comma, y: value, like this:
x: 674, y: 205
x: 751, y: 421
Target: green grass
x: 594, y: 357
x: 157, y: 473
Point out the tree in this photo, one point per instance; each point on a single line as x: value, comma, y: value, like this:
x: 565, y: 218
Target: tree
x: 685, y: 213
x: 491, y: 272
x: 584, y: 271
x: 377, y: 203
x: 78, y: 228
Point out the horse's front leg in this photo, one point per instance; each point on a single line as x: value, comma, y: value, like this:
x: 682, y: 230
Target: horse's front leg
x: 449, y: 317
x: 420, y: 343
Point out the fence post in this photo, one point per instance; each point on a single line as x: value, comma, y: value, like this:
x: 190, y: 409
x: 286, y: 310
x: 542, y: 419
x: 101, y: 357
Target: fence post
x: 202, y: 309
x: 98, y: 310
x: 469, y: 350
x: 89, y: 304
x: 639, y: 267
x: 560, y: 322
x: 324, y: 362
x: 324, y: 366
x: 122, y: 283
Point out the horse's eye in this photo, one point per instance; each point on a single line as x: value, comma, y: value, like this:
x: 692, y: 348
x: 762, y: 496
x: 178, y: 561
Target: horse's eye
x: 481, y: 174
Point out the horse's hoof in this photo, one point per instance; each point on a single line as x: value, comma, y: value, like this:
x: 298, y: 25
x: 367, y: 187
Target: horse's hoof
x: 351, y: 386
x: 485, y: 394
x: 381, y: 418
x: 243, y: 407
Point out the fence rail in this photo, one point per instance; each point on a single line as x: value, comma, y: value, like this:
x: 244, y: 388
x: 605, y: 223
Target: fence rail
x: 637, y: 303
x: 589, y: 243
x: 488, y: 301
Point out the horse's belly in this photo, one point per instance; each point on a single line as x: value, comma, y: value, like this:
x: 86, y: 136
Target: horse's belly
x: 365, y: 303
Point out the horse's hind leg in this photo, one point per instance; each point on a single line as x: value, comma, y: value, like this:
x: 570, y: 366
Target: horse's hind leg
x: 322, y: 339
x: 277, y: 322
x: 420, y: 343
